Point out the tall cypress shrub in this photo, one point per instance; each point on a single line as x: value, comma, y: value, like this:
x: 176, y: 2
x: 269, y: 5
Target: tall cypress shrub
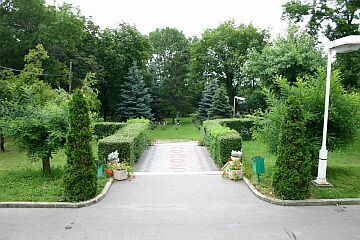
x: 292, y: 168
x: 80, y: 180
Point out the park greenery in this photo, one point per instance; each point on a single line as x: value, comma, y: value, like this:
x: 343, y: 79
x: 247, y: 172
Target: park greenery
x: 292, y: 182
x: 80, y: 170
x: 60, y: 73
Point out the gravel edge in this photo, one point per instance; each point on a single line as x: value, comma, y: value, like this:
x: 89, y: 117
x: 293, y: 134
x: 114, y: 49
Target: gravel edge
x: 307, y: 202
x: 89, y: 202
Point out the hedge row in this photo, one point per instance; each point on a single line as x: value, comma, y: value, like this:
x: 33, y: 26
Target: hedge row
x: 221, y: 140
x: 130, y: 141
x: 103, y: 129
x: 244, y: 126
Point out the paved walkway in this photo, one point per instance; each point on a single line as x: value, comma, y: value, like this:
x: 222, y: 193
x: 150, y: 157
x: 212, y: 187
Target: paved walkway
x: 180, y: 207
x: 176, y: 157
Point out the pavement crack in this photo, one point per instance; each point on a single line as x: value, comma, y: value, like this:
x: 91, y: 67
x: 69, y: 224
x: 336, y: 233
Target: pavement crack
x: 290, y: 234
x: 68, y: 227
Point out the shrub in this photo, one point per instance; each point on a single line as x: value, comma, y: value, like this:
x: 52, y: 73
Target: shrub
x: 221, y: 140
x: 40, y: 131
x: 130, y: 141
x: 292, y: 167
x: 244, y: 126
x: 103, y: 129
x: 343, y: 120
x: 80, y: 181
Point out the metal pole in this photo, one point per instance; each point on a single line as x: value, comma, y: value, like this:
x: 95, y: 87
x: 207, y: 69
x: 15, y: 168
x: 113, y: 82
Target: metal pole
x: 321, y: 177
x: 70, y: 77
x: 234, y: 107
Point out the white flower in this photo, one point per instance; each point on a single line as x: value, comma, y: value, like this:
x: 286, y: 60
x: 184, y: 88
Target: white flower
x: 114, y: 156
x: 237, y: 154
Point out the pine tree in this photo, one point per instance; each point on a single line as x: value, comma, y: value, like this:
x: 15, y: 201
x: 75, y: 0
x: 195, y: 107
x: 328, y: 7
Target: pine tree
x: 80, y: 181
x: 135, y: 97
x: 220, y: 107
x: 206, y: 100
x: 292, y: 168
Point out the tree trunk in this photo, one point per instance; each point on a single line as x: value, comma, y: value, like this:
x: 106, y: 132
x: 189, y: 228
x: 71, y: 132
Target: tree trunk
x: 2, y: 142
x: 46, y: 165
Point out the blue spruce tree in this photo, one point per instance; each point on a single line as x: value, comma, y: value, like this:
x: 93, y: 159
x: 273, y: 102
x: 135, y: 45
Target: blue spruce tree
x: 206, y: 100
x: 135, y: 97
x: 220, y: 106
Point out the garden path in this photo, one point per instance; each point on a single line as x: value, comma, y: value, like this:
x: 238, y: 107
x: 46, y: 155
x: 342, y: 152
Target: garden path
x: 176, y: 157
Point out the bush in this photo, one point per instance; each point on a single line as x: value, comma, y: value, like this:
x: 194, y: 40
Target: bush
x: 244, y: 126
x: 292, y: 168
x: 221, y: 140
x: 80, y: 180
x: 103, y: 129
x: 344, y: 113
x: 40, y: 131
x: 130, y: 141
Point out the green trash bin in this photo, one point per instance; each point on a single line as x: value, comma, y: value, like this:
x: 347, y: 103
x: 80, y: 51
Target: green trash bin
x: 100, y: 168
x: 258, y: 167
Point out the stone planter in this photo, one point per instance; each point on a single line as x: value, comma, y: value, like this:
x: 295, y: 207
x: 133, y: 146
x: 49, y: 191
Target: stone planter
x: 120, y: 175
x: 235, y: 174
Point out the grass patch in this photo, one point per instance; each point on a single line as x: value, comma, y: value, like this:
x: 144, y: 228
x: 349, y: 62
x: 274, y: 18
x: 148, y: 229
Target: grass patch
x: 186, y: 131
x: 23, y: 180
x: 343, y: 170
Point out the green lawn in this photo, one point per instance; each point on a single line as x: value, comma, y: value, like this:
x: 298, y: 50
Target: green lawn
x: 22, y: 179
x: 185, y: 131
x: 343, y: 170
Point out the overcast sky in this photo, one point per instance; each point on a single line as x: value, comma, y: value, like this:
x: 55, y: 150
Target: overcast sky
x: 190, y: 16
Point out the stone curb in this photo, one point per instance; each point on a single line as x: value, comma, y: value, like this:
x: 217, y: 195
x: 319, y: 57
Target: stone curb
x: 89, y: 202
x: 309, y: 202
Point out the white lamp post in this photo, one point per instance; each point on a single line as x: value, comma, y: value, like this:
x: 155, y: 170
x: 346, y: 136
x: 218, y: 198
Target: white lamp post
x: 345, y: 44
x: 237, y: 98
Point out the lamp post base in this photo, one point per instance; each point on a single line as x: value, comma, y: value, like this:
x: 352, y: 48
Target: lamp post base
x: 321, y: 183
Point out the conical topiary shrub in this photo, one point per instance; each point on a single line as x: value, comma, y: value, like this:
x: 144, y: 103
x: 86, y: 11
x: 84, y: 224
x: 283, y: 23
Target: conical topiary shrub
x: 80, y: 180
x: 292, y: 168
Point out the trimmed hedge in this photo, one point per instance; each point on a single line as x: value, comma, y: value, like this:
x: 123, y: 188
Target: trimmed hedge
x: 103, y: 129
x: 244, y: 126
x: 130, y: 141
x: 221, y: 140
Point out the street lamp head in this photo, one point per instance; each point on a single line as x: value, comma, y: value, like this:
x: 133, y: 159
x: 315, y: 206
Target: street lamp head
x: 239, y: 98
x: 345, y: 44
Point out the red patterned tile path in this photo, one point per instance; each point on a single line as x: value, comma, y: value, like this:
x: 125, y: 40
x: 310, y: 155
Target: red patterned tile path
x: 176, y: 157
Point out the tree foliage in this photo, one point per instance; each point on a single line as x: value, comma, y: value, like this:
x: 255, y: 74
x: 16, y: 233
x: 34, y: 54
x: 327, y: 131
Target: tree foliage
x: 121, y: 47
x: 32, y: 113
x: 207, y: 99
x: 220, y: 106
x: 292, y: 56
x: 221, y: 52
x: 292, y: 168
x: 343, y: 113
x: 334, y: 19
x: 80, y: 181
x: 170, y: 66
x: 135, y: 99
